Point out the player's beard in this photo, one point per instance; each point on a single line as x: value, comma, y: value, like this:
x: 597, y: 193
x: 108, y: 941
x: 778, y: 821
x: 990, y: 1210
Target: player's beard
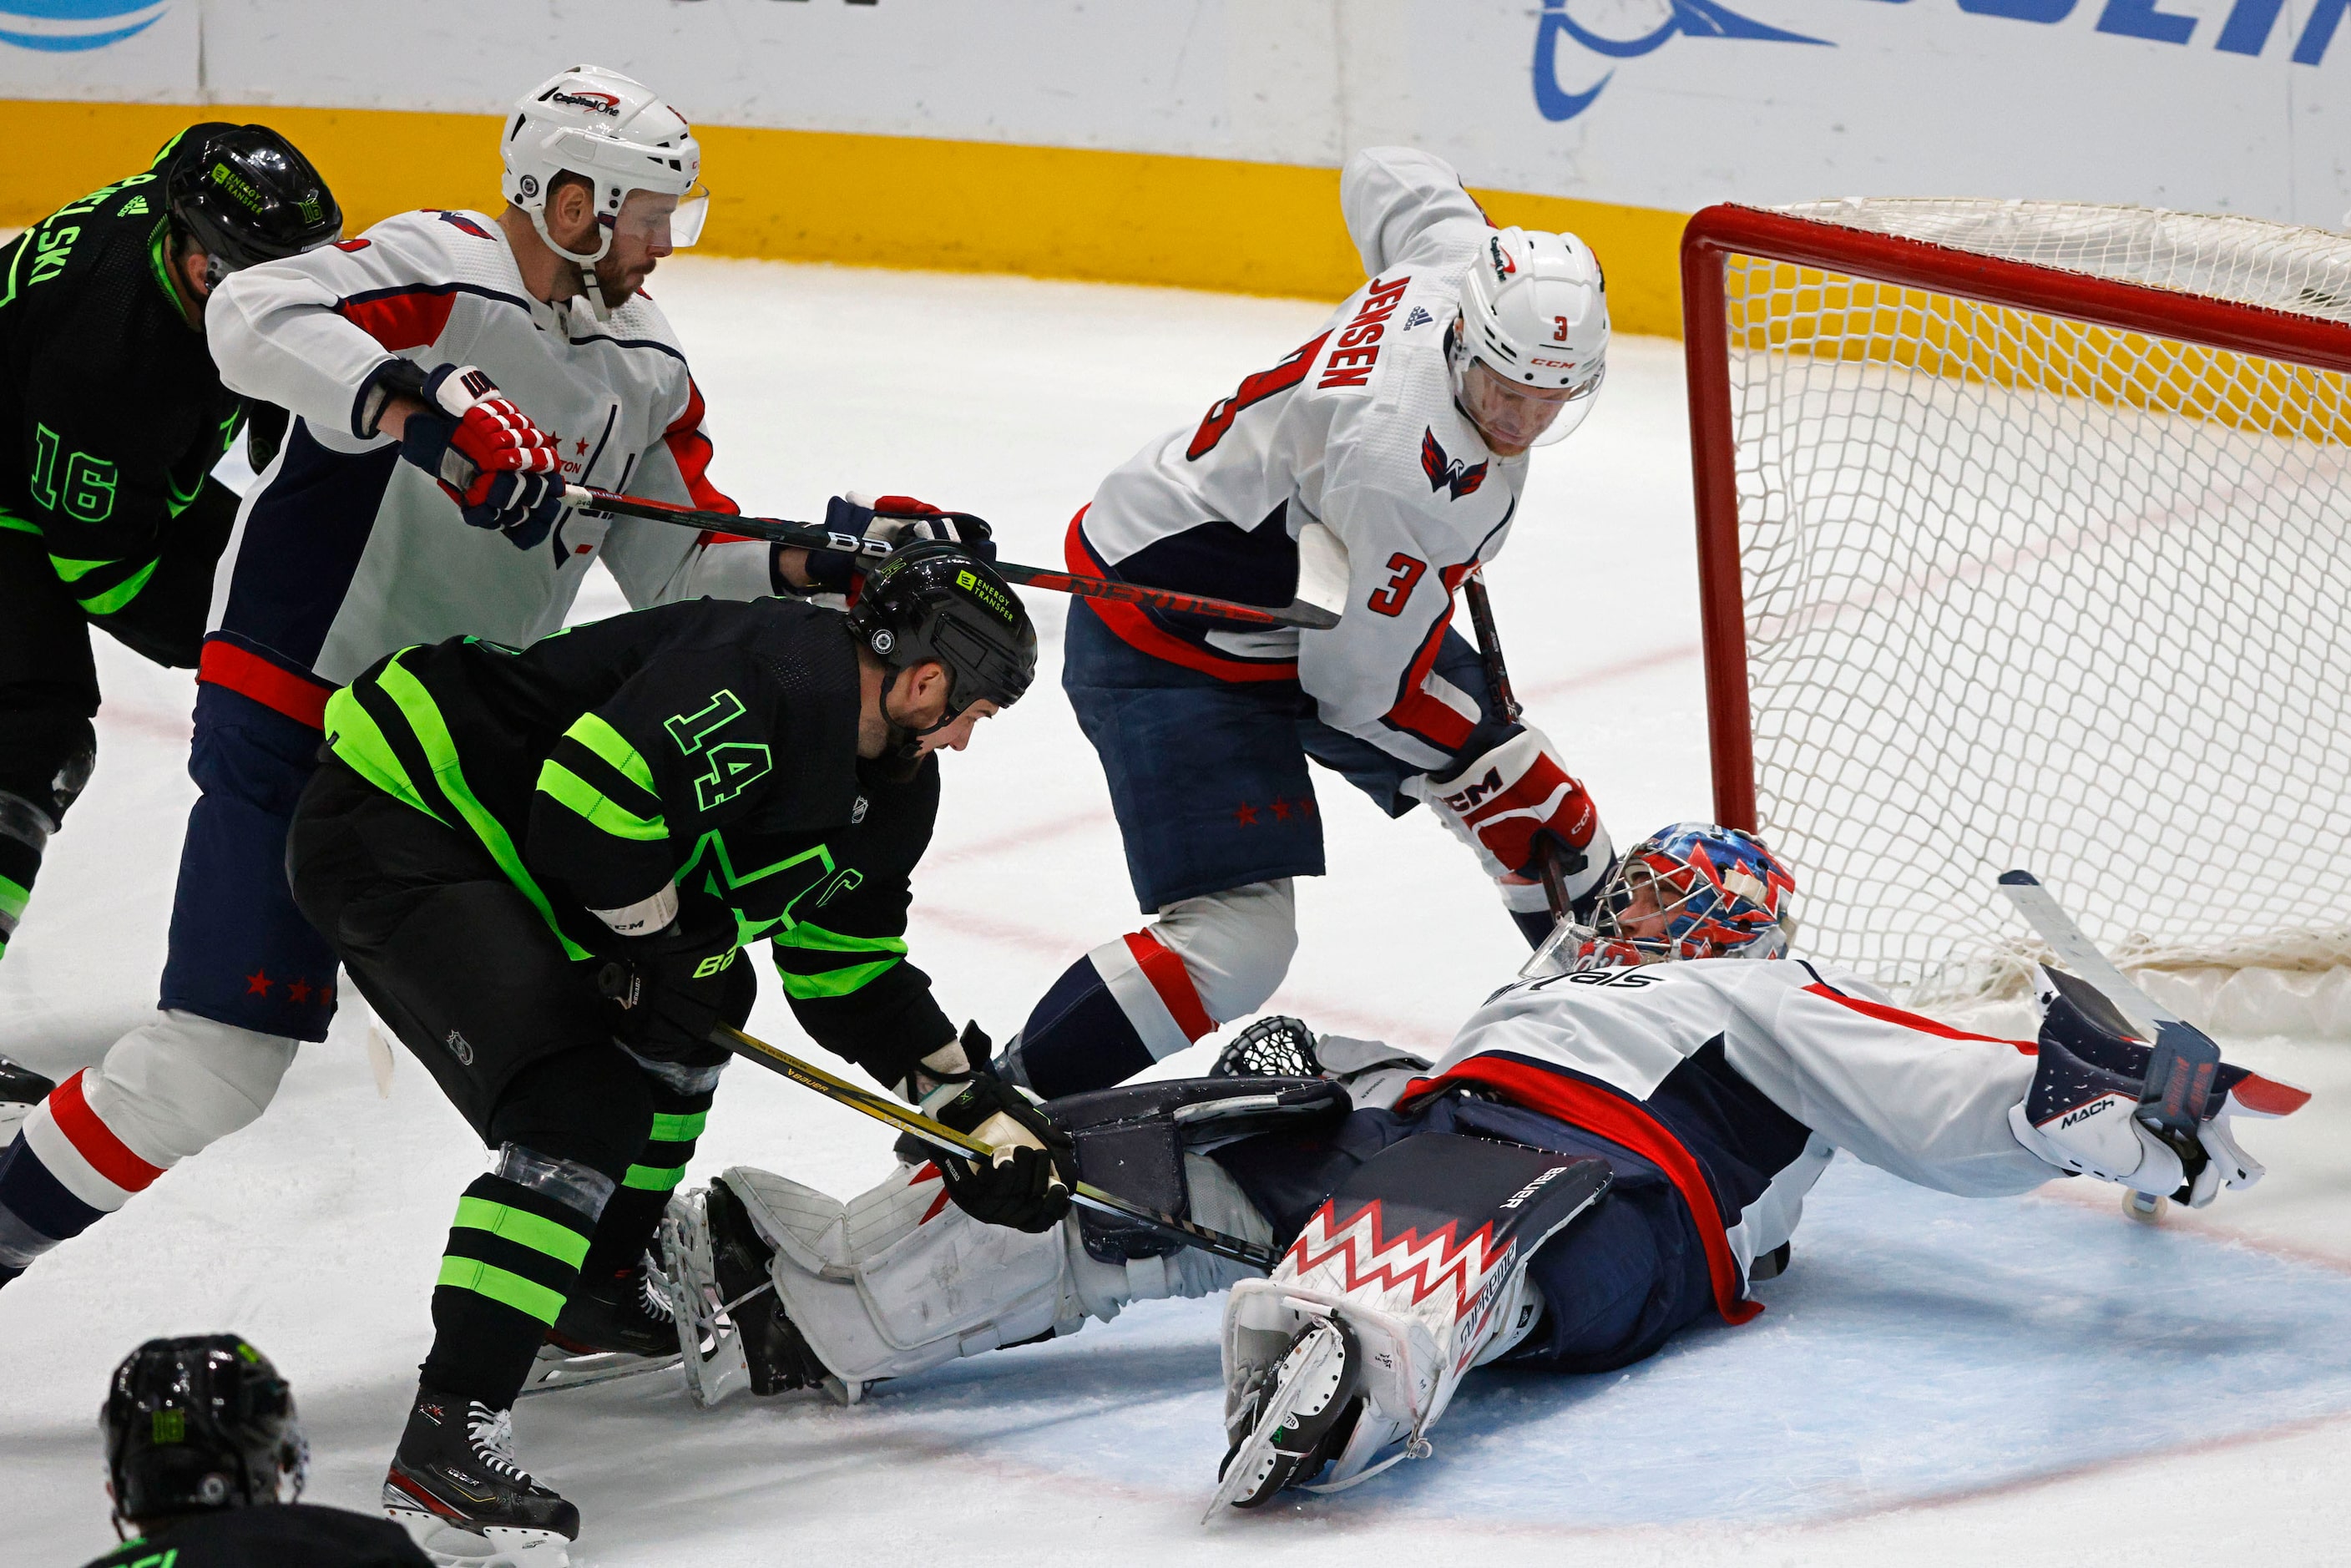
x: 615, y: 284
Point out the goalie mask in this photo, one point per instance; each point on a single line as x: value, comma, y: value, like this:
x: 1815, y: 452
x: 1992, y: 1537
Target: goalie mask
x: 1694, y: 890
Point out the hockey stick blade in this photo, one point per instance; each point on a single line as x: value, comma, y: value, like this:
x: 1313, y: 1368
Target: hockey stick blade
x: 888, y: 1112
x: 1298, y: 613
x: 2183, y: 1061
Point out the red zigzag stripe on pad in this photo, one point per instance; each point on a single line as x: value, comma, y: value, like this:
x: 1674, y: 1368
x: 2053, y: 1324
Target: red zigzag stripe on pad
x: 1454, y: 1262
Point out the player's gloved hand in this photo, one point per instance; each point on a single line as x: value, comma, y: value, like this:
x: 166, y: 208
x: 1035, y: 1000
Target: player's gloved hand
x: 671, y: 1001
x: 1512, y: 805
x: 1024, y: 1186
x: 898, y: 521
x: 501, y: 469
x: 2081, y: 1117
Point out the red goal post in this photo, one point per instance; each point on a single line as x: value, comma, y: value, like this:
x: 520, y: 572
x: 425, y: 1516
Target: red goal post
x: 1884, y: 308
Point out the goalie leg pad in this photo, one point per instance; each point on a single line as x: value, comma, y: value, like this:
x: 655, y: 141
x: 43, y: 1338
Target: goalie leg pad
x: 1423, y: 1251
x: 899, y: 1281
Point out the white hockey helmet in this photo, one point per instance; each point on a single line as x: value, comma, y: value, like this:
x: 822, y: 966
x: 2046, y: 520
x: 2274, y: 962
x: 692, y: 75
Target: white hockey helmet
x: 1534, y: 318
x: 613, y: 131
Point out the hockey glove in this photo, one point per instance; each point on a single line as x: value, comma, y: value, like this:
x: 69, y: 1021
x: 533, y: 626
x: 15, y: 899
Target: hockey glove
x: 670, y: 1003
x: 1510, y: 806
x: 1023, y: 1186
x: 2082, y: 1119
x: 898, y: 520
x: 500, y: 468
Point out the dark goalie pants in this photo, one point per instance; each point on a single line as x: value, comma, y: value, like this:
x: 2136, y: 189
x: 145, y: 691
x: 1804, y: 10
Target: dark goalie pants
x: 589, y: 1140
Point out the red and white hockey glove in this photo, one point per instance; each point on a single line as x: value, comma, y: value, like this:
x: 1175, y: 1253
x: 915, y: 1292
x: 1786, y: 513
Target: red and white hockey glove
x: 1512, y: 802
x: 897, y: 520
x: 501, y: 469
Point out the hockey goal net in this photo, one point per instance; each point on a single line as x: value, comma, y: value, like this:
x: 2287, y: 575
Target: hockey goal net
x: 2025, y: 540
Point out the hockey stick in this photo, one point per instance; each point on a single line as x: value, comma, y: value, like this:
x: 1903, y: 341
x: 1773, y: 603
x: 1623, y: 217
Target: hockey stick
x: 883, y: 1109
x: 2183, y: 1060
x: 1506, y: 703
x: 806, y: 535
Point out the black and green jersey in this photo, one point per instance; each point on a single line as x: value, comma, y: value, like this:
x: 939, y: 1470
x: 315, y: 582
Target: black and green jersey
x: 711, y: 746
x: 270, y: 1535
x: 109, y: 404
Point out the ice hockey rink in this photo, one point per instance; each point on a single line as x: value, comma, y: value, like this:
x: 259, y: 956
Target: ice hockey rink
x: 1933, y: 1380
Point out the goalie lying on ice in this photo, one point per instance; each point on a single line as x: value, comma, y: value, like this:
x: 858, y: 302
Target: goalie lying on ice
x: 1615, y: 1147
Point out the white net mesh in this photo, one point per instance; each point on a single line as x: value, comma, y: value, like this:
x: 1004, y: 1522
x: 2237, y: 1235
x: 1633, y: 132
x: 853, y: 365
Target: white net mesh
x: 2026, y: 591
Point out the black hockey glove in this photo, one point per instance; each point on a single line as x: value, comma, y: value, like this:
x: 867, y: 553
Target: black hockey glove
x: 668, y: 1007
x: 899, y: 520
x: 1025, y: 1186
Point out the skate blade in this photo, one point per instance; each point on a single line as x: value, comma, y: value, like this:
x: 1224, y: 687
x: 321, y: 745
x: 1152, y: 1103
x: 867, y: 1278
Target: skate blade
x: 1255, y: 1471
x: 556, y: 1370
x: 457, y: 1546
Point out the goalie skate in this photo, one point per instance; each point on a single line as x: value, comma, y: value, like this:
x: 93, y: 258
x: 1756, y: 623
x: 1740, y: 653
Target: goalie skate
x: 710, y: 1349
x: 1296, y: 1414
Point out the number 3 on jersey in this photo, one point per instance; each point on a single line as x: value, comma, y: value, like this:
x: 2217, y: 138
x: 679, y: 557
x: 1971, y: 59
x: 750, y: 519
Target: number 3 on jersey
x: 1388, y: 599
x: 1254, y: 390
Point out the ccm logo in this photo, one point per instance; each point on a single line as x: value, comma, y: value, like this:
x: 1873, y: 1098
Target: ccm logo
x: 1462, y: 800
x: 1551, y: 364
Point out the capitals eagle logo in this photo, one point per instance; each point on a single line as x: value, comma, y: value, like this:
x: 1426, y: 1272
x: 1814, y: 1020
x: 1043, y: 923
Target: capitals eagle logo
x: 1448, y: 473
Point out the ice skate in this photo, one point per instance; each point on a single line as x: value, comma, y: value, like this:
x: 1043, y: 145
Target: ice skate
x: 456, y: 1488
x: 1296, y: 1419
x: 617, y: 1327
x: 21, y: 1088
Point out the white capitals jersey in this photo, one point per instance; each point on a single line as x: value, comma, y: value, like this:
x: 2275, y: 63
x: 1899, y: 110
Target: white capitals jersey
x: 344, y: 552
x: 1356, y: 432
x: 1658, y: 1060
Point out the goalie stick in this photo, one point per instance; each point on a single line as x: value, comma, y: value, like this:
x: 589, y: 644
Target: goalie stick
x: 883, y: 1109
x: 1300, y: 613
x: 2183, y: 1060
x: 1506, y: 701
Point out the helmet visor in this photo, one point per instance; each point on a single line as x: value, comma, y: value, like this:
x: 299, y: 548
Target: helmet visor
x: 693, y: 211
x: 1518, y: 416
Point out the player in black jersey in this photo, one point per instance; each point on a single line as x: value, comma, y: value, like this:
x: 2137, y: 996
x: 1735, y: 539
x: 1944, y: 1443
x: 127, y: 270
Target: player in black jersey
x: 113, y: 416
x: 204, y: 1458
x: 540, y: 866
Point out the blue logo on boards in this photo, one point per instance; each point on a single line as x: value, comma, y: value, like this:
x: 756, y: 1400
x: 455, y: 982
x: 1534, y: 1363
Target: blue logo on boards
x: 60, y: 26
x: 1627, y: 29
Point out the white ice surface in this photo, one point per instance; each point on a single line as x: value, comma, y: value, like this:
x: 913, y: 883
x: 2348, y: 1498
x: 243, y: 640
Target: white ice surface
x: 1935, y: 1381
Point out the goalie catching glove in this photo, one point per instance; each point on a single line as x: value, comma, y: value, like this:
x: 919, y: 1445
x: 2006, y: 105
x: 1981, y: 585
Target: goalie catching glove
x: 1024, y: 1186
x: 500, y: 468
x: 1509, y: 806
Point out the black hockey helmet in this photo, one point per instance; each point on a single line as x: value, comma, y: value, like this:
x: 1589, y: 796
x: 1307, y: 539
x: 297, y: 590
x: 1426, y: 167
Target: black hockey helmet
x: 198, y: 1424
x: 932, y: 600
x: 246, y: 195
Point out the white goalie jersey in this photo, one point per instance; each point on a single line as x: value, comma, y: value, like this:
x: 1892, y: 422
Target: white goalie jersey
x: 344, y: 552
x: 1348, y: 461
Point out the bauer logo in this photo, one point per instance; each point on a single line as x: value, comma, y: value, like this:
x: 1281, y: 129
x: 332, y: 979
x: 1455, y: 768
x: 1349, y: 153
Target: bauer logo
x: 60, y: 26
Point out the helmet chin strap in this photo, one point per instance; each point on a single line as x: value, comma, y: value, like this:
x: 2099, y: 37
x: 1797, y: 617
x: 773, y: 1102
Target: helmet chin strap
x: 903, y: 747
x: 592, y: 288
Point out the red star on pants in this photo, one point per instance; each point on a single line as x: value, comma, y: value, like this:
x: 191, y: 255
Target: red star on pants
x: 298, y: 991
x: 579, y: 449
x: 1280, y: 810
x: 326, y: 996
x: 1305, y: 805
x: 256, y: 984
x: 1246, y: 816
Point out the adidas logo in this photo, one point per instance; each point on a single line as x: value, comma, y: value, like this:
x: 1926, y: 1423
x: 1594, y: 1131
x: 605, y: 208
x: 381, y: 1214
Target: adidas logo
x: 1418, y: 318
x: 136, y: 207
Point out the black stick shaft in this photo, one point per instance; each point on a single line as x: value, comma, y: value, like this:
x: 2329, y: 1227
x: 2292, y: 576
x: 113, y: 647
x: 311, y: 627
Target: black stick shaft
x: 906, y: 1119
x: 806, y: 535
x: 1506, y: 701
